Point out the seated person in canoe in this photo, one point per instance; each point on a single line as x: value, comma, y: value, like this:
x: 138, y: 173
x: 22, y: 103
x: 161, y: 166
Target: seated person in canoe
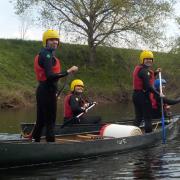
x: 75, y: 104
x: 156, y: 101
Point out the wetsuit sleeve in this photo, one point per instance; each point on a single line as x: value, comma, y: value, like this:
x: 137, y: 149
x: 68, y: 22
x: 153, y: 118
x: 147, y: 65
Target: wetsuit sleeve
x: 156, y: 73
x: 144, y: 74
x: 47, y: 64
x: 170, y: 101
x: 76, y: 108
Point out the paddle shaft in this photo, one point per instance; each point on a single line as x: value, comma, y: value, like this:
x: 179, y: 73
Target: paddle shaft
x: 60, y: 90
x: 162, y: 111
x: 78, y: 116
x: 130, y: 121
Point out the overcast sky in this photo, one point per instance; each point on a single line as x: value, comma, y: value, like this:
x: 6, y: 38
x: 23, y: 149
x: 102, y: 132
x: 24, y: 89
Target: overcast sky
x: 10, y: 24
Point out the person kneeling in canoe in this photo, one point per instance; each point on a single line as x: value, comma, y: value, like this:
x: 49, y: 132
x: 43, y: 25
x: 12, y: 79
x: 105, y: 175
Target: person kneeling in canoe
x: 75, y: 104
x: 156, y: 101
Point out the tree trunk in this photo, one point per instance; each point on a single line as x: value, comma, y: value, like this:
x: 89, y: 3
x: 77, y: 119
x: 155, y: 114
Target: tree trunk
x: 92, y: 55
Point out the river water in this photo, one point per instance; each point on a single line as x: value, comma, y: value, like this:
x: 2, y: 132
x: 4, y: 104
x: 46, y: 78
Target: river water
x: 160, y: 162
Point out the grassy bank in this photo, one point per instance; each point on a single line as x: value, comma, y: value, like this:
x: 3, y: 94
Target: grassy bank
x: 109, y: 79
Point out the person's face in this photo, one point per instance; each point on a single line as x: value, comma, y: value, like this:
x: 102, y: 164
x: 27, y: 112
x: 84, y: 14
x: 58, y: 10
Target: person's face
x: 148, y: 62
x: 53, y: 43
x: 79, y: 89
x: 164, y: 87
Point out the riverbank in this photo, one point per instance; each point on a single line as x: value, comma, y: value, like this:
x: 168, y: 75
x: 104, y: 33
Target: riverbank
x: 109, y: 79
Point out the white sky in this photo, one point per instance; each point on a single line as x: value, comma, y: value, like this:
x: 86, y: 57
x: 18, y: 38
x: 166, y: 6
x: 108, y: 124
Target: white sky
x: 10, y: 24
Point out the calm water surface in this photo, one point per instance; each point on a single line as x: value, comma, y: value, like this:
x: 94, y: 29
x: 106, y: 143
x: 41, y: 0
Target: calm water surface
x: 10, y: 119
x: 160, y: 162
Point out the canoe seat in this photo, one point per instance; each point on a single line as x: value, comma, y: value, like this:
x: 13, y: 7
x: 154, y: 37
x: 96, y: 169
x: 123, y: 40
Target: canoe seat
x: 90, y: 136
x: 66, y: 140
x: 93, y: 137
x: 80, y: 138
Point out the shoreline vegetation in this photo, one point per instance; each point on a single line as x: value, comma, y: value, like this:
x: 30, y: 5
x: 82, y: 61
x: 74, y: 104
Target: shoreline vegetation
x: 108, y: 80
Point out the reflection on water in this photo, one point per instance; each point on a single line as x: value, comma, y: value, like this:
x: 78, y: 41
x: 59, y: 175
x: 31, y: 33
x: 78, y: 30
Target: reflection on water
x: 162, y: 162
x: 10, y: 119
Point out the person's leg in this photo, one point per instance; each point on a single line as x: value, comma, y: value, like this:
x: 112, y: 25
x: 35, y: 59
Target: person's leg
x: 90, y: 120
x: 147, y: 113
x: 51, y: 116
x: 137, y: 101
x: 37, y: 130
x: 156, y: 114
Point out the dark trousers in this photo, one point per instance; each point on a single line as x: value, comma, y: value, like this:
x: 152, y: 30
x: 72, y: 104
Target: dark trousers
x: 143, y: 110
x: 84, y: 120
x: 157, y: 114
x: 46, y: 112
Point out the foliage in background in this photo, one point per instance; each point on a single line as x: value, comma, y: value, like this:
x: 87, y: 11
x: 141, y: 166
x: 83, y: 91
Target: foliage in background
x: 109, y: 79
x: 100, y: 22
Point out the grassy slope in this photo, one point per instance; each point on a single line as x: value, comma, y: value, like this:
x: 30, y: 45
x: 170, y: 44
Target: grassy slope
x: 109, y: 77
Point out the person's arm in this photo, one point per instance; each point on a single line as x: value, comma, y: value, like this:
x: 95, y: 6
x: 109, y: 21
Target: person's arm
x: 76, y: 108
x: 171, y: 101
x: 144, y: 74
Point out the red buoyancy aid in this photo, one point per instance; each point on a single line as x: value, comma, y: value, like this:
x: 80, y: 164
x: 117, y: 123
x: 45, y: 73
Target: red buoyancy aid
x: 137, y: 82
x: 153, y: 101
x: 40, y: 72
x: 67, y: 108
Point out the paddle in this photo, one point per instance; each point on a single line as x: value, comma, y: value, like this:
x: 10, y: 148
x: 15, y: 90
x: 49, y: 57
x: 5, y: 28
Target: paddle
x: 162, y: 111
x: 60, y: 90
x: 78, y: 116
x: 130, y: 121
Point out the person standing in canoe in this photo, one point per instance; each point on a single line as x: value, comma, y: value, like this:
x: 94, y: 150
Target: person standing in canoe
x: 48, y: 71
x: 156, y: 101
x: 143, y: 86
x: 74, y: 104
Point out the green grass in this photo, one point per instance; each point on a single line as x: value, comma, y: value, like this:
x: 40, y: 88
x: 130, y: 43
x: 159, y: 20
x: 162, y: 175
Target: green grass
x: 110, y: 78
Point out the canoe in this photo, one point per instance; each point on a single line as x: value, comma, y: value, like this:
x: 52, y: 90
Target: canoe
x: 26, y: 128
x: 78, y: 146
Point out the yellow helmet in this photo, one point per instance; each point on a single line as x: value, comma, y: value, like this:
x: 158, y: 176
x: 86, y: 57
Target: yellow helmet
x: 76, y: 82
x: 145, y: 55
x: 49, y: 34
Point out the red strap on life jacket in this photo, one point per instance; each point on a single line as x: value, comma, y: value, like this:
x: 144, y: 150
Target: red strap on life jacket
x: 153, y: 101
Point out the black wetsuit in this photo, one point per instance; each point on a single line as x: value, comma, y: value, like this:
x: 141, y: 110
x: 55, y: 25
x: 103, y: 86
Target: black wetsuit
x: 142, y: 102
x: 46, y: 97
x: 76, y: 103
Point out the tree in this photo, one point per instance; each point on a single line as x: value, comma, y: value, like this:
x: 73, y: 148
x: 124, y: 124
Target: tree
x: 176, y: 42
x: 25, y: 23
x: 100, y: 22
